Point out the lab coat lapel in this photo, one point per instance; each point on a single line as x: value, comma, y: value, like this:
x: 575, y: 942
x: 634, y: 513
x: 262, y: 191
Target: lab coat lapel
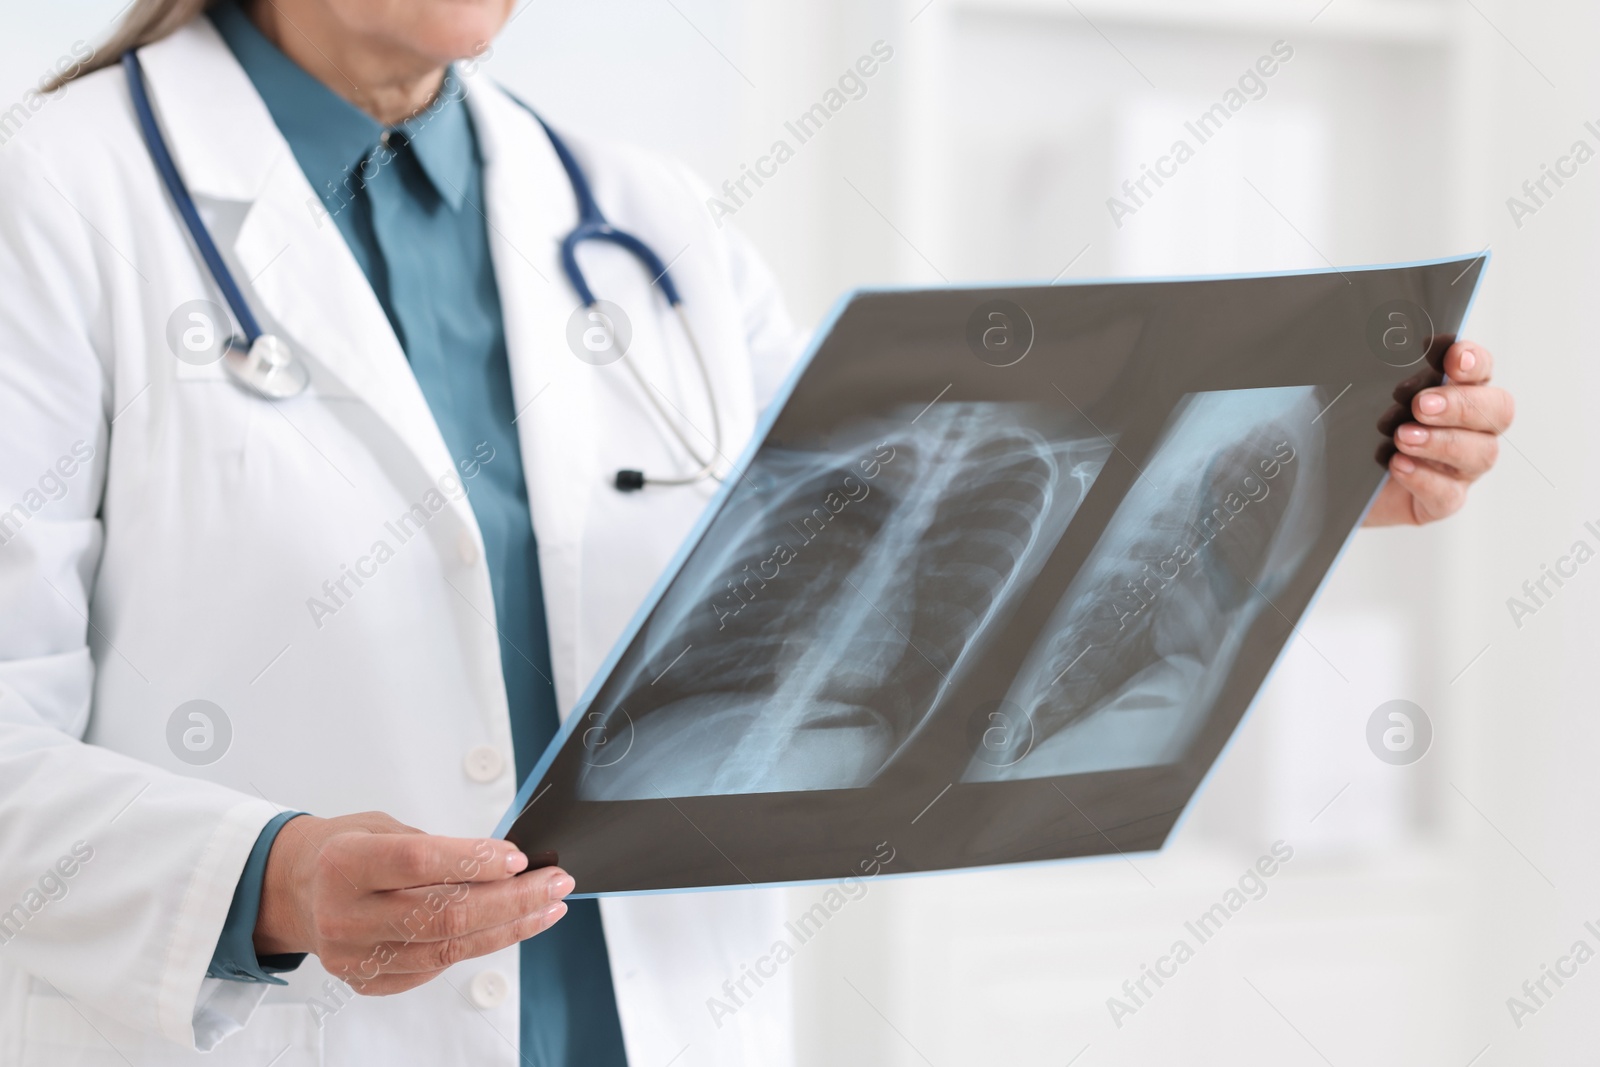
x: 288, y: 254
x: 530, y: 208
x: 303, y: 281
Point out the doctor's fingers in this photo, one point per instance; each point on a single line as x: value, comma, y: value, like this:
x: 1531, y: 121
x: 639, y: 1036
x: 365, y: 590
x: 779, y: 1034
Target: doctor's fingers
x: 1468, y: 363
x: 1470, y: 452
x: 384, y: 861
x: 1434, y: 493
x: 399, y: 961
x: 448, y: 912
x: 432, y: 913
x: 1471, y: 407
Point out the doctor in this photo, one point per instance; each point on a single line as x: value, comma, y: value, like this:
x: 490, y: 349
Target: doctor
x: 364, y: 557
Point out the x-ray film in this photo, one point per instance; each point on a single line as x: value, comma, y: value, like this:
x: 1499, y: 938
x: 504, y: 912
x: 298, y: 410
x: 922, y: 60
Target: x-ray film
x: 996, y: 581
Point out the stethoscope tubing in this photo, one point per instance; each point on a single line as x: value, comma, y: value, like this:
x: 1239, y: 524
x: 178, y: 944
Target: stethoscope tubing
x: 593, y: 226
x: 271, y: 357
x: 708, y: 466
x: 157, y: 144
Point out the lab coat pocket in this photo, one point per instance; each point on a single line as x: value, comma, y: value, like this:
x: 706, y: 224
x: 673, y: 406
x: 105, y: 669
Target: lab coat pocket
x: 214, y: 412
x: 211, y: 371
x: 210, y: 413
x: 59, y: 1034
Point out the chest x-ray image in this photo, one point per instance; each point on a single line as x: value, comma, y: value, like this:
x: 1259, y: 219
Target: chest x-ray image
x: 841, y: 598
x: 971, y: 611
x: 1215, y: 525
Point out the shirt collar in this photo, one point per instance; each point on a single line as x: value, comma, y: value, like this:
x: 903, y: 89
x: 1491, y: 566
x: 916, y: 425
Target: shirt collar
x: 441, y: 136
x: 331, y: 136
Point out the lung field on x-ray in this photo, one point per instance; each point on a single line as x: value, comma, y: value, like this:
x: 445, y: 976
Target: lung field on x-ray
x: 834, y: 598
x: 1131, y: 661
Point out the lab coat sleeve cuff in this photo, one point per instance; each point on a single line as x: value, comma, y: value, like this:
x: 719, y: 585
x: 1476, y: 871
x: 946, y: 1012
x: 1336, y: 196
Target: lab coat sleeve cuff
x: 194, y: 1010
x: 235, y: 957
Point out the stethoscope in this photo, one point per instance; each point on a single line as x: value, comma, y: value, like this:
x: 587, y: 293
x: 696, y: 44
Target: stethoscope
x: 265, y: 365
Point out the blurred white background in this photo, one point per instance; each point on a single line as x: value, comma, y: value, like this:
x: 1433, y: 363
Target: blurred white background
x: 1419, y: 898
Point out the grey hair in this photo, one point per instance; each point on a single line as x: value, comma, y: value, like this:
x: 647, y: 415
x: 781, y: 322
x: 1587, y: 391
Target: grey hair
x: 146, y: 22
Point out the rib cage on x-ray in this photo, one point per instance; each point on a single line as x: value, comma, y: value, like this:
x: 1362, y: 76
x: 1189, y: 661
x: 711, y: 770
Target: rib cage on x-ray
x: 1141, y: 642
x: 811, y: 669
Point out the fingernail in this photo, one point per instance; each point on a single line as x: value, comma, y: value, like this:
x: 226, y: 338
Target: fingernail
x: 1404, y: 464
x: 1468, y: 360
x: 561, y: 885
x: 1413, y: 435
x: 553, y: 912
x: 516, y: 861
x: 1430, y: 403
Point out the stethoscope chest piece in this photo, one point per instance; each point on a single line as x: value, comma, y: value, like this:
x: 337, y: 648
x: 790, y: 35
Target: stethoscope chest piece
x: 267, y: 368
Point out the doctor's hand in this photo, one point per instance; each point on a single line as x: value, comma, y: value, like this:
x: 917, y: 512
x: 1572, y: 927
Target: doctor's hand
x: 1442, y: 439
x: 387, y: 907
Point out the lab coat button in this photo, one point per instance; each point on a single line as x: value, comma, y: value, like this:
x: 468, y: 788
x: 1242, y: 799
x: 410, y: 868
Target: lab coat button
x: 468, y: 548
x: 484, y: 763
x: 489, y: 989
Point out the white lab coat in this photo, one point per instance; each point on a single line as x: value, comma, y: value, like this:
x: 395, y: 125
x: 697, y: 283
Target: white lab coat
x: 166, y: 531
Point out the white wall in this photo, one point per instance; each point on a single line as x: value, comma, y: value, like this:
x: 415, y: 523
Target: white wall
x: 1421, y: 897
